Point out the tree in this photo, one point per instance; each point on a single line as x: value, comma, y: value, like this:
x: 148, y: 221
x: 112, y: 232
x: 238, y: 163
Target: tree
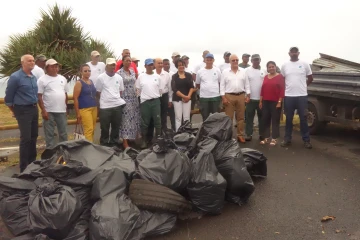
x: 57, y: 35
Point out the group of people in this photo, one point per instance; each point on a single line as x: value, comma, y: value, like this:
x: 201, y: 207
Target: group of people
x: 132, y: 104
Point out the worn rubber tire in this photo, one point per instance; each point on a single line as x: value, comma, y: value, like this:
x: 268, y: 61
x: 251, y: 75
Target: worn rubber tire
x: 154, y: 197
x: 318, y: 126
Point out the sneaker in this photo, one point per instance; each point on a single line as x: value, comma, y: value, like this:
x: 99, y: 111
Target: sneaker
x: 307, y: 145
x: 285, y: 144
x: 248, y: 138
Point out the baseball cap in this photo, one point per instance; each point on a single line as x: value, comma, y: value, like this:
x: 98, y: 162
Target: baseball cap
x: 51, y: 62
x: 185, y: 57
x: 110, y: 61
x: 174, y: 54
x: 40, y: 57
x: 294, y: 47
x: 95, y: 53
x: 254, y: 56
x: 209, y: 55
x: 246, y: 55
x: 135, y: 59
x: 149, y: 61
x: 227, y: 53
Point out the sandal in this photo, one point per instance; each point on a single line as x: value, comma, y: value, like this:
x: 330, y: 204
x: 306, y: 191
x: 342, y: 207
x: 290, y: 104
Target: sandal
x: 266, y: 140
x: 273, y: 142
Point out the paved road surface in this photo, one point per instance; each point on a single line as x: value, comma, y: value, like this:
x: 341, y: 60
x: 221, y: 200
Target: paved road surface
x: 302, y: 187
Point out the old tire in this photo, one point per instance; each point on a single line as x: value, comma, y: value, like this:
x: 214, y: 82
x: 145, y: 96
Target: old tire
x: 315, y: 126
x: 154, y: 197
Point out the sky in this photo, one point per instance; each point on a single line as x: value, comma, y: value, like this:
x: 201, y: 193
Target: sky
x: 157, y: 28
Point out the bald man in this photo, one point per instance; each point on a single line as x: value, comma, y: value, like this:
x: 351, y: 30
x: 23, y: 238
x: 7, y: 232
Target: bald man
x: 166, y: 97
x: 233, y: 87
x: 21, y: 98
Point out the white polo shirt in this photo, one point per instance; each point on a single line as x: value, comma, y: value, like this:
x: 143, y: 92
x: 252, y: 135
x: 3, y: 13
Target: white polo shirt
x: 172, y: 67
x: 38, y: 72
x: 149, y: 86
x: 110, y: 88
x: 234, y: 82
x: 295, y: 74
x: 165, y: 83
x: 209, y: 80
x: 53, y: 90
x: 96, y: 70
x: 255, y: 77
x: 224, y: 66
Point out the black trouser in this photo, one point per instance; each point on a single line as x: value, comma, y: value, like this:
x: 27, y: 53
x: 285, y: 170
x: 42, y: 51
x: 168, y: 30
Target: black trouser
x: 110, y: 117
x: 271, y: 116
x: 27, y: 118
x: 208, y: 107
x: 166, y: 111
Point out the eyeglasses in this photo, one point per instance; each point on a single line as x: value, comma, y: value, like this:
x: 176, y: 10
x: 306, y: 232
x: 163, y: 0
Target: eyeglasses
x: 235, y: 60
x: 87, y: 70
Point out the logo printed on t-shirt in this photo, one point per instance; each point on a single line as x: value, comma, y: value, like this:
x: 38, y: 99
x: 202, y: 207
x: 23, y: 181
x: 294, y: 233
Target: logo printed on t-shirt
x: 300, y: 66
x: 214, y: 73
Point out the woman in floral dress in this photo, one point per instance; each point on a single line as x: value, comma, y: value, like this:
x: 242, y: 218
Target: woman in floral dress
x: 130, y: 126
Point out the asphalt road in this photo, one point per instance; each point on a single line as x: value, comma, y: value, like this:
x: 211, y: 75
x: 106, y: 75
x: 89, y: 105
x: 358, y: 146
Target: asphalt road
x: 302, y: 187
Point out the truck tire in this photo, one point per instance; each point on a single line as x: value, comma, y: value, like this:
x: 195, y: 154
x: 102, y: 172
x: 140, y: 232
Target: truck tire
x: 154, y: 197
x: 315, y: 126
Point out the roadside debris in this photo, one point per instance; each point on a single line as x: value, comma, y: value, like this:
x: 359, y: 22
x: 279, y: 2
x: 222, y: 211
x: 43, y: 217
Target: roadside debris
x: 327, y: 218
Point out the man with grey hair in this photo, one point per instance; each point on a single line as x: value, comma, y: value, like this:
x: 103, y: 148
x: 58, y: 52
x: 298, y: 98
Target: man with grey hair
x: 21, y: 98
x: 38, y: 70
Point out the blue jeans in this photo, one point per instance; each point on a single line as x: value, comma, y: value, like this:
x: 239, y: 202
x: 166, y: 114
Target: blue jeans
x: 60, y: 120
x: 299, y: 103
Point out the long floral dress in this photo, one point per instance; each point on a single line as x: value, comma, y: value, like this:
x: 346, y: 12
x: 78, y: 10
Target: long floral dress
x: 130, y: 125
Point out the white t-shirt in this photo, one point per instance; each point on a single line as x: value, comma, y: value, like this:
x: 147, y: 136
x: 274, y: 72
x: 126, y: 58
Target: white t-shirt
x: 96, y: 70
x: 201, y: 66
x: 224, y: 66
x: 38, y: 72
x: 110, y: 88
x: 256, y: 79
x: 209, y: 80
x: 295, y: 74
x: 173, y: 68
x: 53, y: 90
x: 165, y: 81
x: 149, y: 86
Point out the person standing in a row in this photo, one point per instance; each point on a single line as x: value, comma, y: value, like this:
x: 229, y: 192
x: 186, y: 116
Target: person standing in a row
x: 21, y: 98
x: 208, y: 81
x: 109, y: 86
x: 96, y: 66
x: 182, y: 87
x: 226, y: 64
x: 85, y: 103
x: 52, y: 94
x: 149, y: 88
x: 272, y: 94
x: 130, y: 125
x: 233, y: 87
x: 38, y: 70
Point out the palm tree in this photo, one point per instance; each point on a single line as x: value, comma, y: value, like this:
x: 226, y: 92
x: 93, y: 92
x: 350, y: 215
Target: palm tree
x: 57, y: 35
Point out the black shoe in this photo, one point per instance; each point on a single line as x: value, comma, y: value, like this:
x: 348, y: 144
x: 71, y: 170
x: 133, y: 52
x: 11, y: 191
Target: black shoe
x: 307, y: 145
x: 248, y: 138
x: 285, y: 144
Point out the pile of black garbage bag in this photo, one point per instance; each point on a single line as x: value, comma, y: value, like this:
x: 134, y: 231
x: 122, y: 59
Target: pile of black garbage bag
x: 82, y: 190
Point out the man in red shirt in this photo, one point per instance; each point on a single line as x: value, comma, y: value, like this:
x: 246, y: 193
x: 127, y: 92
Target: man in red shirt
x: 126, y: 52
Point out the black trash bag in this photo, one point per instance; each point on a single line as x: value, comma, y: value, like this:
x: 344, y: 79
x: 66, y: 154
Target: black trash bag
x: 33, y: 236
x: 113, y: 217
x: 10, y: 186
x: 217, y: 126
x: 183, y: 140
x: 187, y: 127
x: 207, y: 187
x: 32, y: 172
x: 255, y: 162
x: 14, y: 211
x: 80, y: 231
x: 107, y: 182
x: 53, y: 209
x: 168, y: 167
x: 230, y: 163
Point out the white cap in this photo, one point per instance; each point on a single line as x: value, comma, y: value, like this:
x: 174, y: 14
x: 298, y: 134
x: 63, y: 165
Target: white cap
x: 174, y: 54
x: 95, y: 53
x: 134, y: 59
x: 51, y: 62
x: 110, y: 61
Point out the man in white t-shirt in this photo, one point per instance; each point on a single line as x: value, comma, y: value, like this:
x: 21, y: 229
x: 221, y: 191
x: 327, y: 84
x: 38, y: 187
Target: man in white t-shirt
x: 255, y: 76
x: 149, y: 88
x: 96, y: 66
x: 226, y: 64
x: 175, y: 56
x: 38, y: 70
x: 298, y: 76
x: 109, y: 87
x: 208, y: 80
x: 52, y: 94
x: 233, y: 88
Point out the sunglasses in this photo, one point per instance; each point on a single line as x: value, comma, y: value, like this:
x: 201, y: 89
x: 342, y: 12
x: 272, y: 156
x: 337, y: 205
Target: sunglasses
x: 87, y: 70
x: 235, y: 60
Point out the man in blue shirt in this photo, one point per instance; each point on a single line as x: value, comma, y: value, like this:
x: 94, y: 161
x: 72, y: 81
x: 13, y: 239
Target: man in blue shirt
x: 21, y: 98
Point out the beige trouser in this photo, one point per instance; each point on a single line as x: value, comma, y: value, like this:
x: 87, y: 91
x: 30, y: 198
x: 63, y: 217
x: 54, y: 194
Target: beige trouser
x: 237, y: 104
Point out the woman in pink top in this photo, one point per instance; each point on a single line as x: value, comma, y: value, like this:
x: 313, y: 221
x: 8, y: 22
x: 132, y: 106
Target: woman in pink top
x: 271, y: 97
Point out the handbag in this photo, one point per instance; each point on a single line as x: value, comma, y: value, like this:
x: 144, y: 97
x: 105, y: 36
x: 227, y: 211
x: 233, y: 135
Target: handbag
x: 79, y: 132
